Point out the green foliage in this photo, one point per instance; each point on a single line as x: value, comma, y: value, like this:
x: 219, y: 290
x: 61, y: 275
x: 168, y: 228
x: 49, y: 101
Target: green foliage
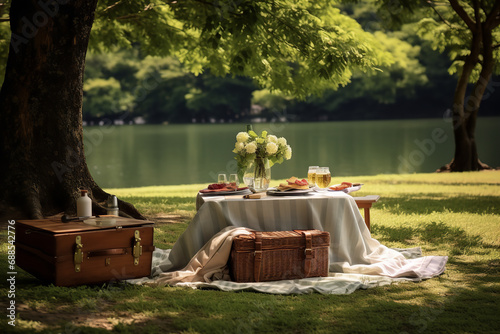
x: 105, y: 97
x: 161, y: 91
x: 401, y: 77
x: 443, y: 28
x: 297, y: 47
x: 251, y: 148
x: 268, y: 100
x: 221, y: 98
x: 292, y: 49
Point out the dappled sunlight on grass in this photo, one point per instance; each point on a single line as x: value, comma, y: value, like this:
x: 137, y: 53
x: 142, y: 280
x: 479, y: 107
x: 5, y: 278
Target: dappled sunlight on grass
x: 165, y: 237
x: 392, y: 227
x: 464, y: 178
x: 156, y: 205
x: 439, y: 202
x: 434, y: 235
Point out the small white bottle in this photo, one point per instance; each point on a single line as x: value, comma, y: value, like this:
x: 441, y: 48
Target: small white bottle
x: 84, y: 205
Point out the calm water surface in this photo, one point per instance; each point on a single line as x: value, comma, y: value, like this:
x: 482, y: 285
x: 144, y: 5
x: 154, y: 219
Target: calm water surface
x: 145, y: 155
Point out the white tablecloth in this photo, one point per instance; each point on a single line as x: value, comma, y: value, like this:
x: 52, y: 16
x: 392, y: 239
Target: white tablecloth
x: 357, y: 260
x: 352, y: 249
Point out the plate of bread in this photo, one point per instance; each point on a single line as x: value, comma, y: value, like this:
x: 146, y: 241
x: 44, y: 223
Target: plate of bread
x: 293, y: 186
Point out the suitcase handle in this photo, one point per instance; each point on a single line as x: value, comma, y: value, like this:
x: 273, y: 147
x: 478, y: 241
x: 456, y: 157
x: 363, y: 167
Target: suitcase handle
x: 106, y: 252
x: 116, y: 251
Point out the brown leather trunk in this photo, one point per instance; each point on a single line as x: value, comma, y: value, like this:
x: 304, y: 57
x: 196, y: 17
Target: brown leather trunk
x: 75, y: 253
x: 281, y: 255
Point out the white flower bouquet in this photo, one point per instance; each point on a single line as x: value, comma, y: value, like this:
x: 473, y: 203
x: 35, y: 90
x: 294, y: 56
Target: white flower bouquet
x: 251, y: 148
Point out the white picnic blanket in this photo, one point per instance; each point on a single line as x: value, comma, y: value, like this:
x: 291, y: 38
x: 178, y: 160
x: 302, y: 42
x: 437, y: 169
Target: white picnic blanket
x: 381, y: 266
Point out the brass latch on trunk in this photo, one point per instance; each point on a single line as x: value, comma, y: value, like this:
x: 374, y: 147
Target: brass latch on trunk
x: 137, y: 250
x: 78, y: 258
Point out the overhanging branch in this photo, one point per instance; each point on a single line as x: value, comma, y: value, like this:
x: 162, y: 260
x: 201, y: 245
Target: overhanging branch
x: 112, y: 6
x: 463, y: 15
x: 432, y: 4
x: 492, y: 20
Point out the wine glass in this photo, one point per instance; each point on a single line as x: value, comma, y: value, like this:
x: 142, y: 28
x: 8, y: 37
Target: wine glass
x: 233, y: 181
x: 221, y: 179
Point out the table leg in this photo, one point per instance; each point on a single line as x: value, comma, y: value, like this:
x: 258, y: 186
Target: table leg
x: 367, y: 217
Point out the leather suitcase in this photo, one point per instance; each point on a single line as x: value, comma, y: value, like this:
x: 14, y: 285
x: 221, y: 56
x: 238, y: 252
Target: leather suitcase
x: 97, y: 251
x: 280, y: 255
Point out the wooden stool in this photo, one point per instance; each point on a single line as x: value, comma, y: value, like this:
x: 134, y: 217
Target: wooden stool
x: 366, y: 203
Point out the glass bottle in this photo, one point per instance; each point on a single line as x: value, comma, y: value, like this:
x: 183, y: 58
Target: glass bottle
x: 83, y: 204
x: 112, y: 206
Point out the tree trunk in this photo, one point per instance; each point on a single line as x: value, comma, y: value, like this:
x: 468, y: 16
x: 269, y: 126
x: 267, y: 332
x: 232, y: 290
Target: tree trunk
x: 463, y: 145
x: 42, y: 155
x: 465, y: 112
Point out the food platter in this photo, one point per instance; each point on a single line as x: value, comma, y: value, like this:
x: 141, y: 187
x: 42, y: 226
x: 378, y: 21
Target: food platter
x: 224, y: 193
x: 276, y: 192
x: 346, y: 190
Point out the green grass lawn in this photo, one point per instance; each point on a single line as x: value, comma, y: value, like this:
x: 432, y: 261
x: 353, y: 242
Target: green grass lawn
x: 457, y: 215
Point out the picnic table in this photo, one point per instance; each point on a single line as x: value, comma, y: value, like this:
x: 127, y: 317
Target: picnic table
x: 355, y: 258
x: 335, y: 212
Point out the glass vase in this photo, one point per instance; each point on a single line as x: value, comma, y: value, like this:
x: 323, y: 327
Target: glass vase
x: 258, y: 175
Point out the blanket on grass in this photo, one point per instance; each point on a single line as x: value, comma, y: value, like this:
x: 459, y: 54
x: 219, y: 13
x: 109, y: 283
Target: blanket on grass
x: 208, y: 269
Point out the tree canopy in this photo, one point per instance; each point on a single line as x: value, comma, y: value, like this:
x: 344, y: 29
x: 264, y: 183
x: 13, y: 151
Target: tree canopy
x: 297, y: 47
x: 469, y: 31
x: 415, y: 84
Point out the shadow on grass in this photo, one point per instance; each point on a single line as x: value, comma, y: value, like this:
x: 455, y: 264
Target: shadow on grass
x: 436, y: 234
x: 411, y: 308
x: 424, y: 203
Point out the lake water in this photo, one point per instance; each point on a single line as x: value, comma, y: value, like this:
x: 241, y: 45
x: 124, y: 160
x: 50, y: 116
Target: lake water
x: 145, y: 155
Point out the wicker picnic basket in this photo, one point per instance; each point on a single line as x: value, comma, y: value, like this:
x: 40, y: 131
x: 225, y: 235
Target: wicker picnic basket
x: 280, y: 255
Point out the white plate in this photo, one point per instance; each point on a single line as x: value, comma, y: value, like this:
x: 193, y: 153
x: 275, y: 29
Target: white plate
x: 346, y: 190
x: 276, y: 192
x: 224, y: 193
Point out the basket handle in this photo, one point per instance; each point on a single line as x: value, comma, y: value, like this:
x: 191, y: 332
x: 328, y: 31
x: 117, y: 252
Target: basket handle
x: 258, y: 256
x: 307, y: 252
